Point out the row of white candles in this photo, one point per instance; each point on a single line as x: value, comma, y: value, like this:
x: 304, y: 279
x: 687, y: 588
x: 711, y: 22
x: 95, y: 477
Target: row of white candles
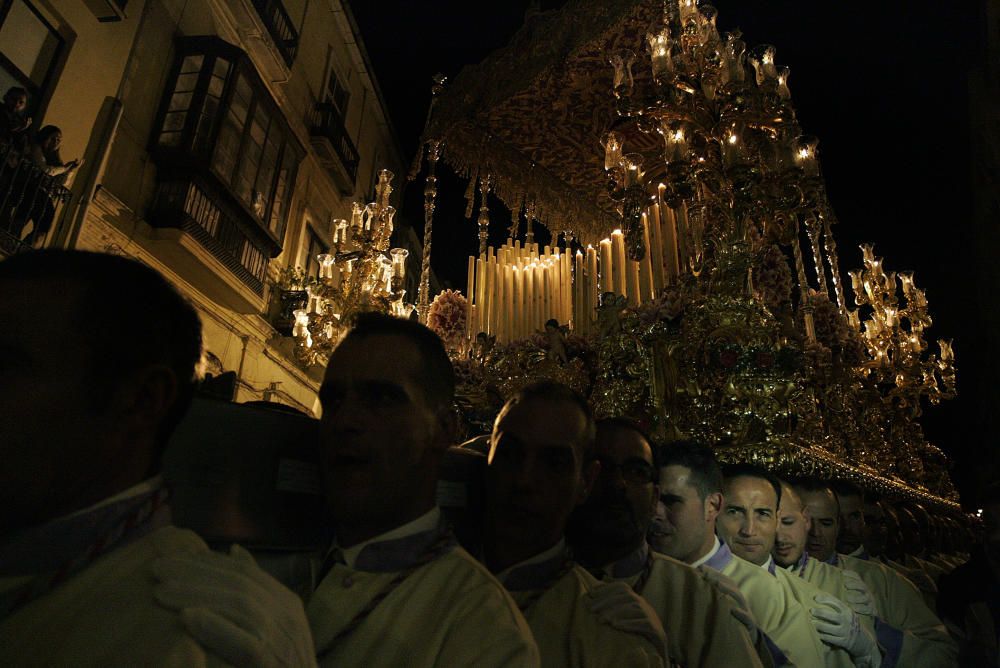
x: 514, y: 290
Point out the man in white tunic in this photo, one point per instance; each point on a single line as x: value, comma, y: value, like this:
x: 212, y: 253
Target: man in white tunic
x: 395, y: 588
x: 704, y: 626
x: 691, y: 493
x: 748, y: 525
x: 907, y: 630
x: 542, y: 466
x: 99, y: 366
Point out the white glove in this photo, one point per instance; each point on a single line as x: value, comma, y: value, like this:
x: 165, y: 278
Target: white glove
x: 234, y: 609
x: 858, y: 596
x: 839, y: 626
x: 615, y: 604
x: 741, y: 609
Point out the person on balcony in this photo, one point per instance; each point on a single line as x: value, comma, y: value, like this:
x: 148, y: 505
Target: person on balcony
x: 34, y: 189
x: 14, y: 123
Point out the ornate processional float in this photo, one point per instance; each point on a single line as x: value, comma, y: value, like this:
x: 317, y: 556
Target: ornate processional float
x: 697, y: 285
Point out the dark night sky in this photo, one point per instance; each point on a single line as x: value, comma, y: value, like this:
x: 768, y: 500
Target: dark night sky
x: 882, y: 84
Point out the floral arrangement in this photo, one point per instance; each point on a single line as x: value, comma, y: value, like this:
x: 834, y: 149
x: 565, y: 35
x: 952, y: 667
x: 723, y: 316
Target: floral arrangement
x: 773, y: 278
x: 447, y: 316
x: 294, y: 278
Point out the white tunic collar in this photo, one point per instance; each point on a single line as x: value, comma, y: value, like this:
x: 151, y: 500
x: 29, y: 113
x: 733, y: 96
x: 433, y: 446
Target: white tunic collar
x: 426, y: 522
x: 711, y: 553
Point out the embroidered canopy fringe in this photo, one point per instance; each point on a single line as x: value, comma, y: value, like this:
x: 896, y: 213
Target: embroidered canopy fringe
x: 534, y: 113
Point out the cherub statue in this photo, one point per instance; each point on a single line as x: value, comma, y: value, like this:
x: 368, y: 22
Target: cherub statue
x: 608, y: 314
x: 557, y: 342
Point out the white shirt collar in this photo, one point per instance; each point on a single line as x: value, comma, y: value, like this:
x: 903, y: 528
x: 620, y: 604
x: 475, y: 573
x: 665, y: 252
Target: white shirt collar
x: 547, y: 555
x: 711, y: 553
x: 858, y: 552
x: 767, y: 565
x: 426, y: 522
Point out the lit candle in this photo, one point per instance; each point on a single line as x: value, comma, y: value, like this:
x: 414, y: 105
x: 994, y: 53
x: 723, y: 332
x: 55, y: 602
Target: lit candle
x: 508, y: 303
x: 621, y: 269
x: 607, y: 269
x: 578, y: 286
x: 480, y: 296
x: 592, y: 289
x: 646, y: 291
x: 470, y: 285
x: 521, y: 300
x: 656, y: 246
x: 566, y: 286
x: 633, y: 283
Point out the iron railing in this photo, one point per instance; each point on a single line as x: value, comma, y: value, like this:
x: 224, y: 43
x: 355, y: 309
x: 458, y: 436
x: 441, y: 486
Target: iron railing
x: 329, y: 124
x: 280, y: 25
x: 194, y: 206
x: 30, y: 201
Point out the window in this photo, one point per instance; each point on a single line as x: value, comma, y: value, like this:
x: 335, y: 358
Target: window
x: 29, y: 50
x: 336, y: 92
x: 217, y: 112
x: 314, y: 246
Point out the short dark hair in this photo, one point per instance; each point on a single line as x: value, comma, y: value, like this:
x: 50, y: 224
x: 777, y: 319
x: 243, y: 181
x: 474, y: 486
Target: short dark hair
x: 812, y: 484
x: 628, y: 424
x: 549, y: 390
x: 46, y: 132
x: 129, y: 315
x: 846, y: 488
x: 15, y: 90
x: 697, y: 458
x: 733, y: 471
x: 438, y: 378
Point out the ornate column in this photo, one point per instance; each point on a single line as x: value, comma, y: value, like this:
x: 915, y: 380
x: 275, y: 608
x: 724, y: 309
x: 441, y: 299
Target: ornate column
x: 430, y: 202
x: 484, y: 212
x: 831, y: 257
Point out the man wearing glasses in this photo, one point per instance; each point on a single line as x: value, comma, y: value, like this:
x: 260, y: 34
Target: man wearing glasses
x: 704, y: 626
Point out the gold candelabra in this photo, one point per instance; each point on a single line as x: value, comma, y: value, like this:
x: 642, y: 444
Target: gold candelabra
x: 358, y: 273
x: 893, y: 335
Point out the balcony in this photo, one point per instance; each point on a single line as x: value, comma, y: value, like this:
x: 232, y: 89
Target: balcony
x: 336, y: 151
x: 280, y: 26
x: 30, y: 202
x: 201, y: 209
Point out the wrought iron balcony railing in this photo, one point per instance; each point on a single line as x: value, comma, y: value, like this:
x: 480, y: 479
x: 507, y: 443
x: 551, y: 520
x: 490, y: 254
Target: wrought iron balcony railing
x: 280, y: 25
x: 329, y: 133
x: 200, y: 208
x: 30, y: 201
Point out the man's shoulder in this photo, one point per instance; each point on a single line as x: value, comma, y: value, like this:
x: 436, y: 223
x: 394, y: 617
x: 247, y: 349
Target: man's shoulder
x: 461, y: 576
x: 682, y: 577
x: 115, y: 592
x: 743, y: 572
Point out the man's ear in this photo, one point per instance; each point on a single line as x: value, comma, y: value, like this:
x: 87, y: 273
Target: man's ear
x: 713, y: 506
x: 588, y: 478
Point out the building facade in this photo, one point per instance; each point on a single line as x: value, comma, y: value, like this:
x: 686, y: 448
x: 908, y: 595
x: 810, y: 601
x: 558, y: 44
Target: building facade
x: 219, y: 140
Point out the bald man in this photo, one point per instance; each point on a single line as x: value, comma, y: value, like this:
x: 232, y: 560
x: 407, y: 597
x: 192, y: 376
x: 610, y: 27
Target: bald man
x: 909, y: 633
x: 794, y: 523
